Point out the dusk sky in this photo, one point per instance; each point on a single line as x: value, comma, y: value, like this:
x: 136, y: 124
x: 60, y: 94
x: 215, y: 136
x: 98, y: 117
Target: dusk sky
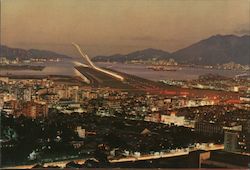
x: 111, y: 26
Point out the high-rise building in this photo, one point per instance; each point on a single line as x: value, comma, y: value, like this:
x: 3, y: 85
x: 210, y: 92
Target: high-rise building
x: 34, y: 110
x: 231, y: 141
x: 27, y: 94
x: 237, y: 140
x: 81, y: 132
x: 208, y: 128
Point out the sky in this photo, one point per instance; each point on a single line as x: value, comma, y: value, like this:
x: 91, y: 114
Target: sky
x: 105, y: 27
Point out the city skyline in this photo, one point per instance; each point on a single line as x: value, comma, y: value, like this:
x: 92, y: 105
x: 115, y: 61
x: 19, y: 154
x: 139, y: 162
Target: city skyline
x: 125, y: 84
x: 110, y: 27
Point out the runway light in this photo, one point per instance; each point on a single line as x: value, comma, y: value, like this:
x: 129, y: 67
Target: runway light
x: 95, y: 67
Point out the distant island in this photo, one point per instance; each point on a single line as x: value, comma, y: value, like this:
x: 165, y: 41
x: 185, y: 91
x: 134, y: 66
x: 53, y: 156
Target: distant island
x: 161, y: 68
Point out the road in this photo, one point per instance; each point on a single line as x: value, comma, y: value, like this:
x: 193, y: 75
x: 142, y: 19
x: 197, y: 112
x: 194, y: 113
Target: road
x: 173, y: 153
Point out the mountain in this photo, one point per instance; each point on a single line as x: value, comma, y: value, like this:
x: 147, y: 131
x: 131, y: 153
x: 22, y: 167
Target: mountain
x: 145, y: 54
x: 12, y: 53
x: 217, y: 49
x: 38, y: 53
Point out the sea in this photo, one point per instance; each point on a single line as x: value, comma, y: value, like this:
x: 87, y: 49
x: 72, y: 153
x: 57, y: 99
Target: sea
x: 66, y: 67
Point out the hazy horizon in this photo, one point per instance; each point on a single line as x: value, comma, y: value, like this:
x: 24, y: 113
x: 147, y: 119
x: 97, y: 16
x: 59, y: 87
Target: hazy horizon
x: 110, y: 27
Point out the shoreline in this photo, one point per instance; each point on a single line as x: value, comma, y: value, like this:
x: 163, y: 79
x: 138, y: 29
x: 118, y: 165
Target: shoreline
x: 21, y: 67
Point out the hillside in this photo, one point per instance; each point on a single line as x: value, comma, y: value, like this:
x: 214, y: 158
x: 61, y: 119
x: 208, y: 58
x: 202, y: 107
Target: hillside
x: 217, y: 49
x: 146, y: 54
x: 214, y: 50
x: 12, y: 53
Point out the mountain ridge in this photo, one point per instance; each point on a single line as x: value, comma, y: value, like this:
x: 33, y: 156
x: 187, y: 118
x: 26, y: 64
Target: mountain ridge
x: 217, y: 49
x: 12, y: 53
x: 144, y: 54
